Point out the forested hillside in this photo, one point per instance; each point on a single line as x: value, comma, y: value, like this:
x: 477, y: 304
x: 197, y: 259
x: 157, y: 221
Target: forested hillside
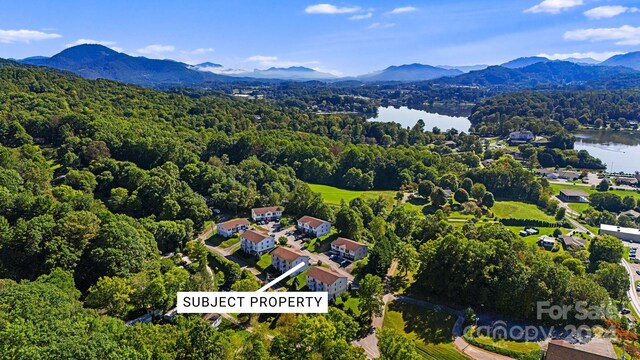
x: 98, y: 179
x: 544, y: 112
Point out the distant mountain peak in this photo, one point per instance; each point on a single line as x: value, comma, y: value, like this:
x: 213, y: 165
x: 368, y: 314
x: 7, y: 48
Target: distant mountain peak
x: 630, y: 60
x: 208, y: 64
x: 409, y: 72
x: 524, y: 62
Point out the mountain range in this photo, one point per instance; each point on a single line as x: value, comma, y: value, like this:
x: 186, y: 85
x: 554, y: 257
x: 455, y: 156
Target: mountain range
x: 97, y: 61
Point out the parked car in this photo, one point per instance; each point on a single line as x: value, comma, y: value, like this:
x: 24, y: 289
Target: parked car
x: 625, y: 311
x: 638, y: 272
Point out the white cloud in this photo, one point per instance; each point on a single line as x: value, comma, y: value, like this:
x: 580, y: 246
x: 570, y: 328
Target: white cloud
x: 378, y: 25
x: 25, y: 36
x: 361, y: 17
x: 262, y: 58
x: 198, y: 51
x: 107, y: 43
x: 600, y: 56
x: 156, y: 49
x: 554, y: 6
x: 274, y: 61
x: 603, y: 12
x: 330, y: 9
x: 401, y: 10
x: 624, y: 35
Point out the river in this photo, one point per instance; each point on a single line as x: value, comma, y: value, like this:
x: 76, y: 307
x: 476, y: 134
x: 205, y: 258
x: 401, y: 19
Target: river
x: 619, y: 150
x: 409, y: 117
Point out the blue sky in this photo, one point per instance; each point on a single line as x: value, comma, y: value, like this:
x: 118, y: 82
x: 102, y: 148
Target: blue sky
x: 344, y: 37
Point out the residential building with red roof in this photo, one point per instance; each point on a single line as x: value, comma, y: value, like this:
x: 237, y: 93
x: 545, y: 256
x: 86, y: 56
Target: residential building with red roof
x: 284, y: 258
x: 270, y: 213
x: 321, y: 279
x: 314, y: 226
x: 256, y: 243
x: 228, y: 228
x: 349, y: 249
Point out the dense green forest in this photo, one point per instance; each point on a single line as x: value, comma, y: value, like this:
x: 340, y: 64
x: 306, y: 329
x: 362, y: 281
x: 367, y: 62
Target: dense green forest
x: 549, y: 112
x: 98, y: 179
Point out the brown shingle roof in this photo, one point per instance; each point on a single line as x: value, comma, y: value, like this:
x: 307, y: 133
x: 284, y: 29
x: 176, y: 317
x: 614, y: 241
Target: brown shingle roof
x: 313, y: 222
x: 254, y: 236
x: 324, y: 275
x: 264, y: 210
x: 234, y: 223
x: 347, y: 243
x: 572, y: 193
x: 562, y: 350
x: 286, y: 254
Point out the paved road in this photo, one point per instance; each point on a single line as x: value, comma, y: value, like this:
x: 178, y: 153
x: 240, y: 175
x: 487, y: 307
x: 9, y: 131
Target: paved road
x: 632, y: 293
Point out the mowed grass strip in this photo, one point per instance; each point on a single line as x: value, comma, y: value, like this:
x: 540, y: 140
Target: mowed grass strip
x: 431, y: 330
x: 333, y: 195
x: 520, y: 210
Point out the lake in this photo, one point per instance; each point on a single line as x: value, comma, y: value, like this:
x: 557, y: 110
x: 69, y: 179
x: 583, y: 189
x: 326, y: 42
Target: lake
x: 409, y: 117
x: 619, y: 150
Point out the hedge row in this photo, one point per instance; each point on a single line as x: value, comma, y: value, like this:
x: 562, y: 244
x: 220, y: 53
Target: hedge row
x: 527, y: 222
x: 534, y: 355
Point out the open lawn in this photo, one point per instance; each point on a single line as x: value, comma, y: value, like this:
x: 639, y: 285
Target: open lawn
x: 264, y: 262
x: 520, y: 210
x: 333, y: 195
x: 321, y: 244
x: 302, y: 281
x: 222, y: 242
x: 431, y: 330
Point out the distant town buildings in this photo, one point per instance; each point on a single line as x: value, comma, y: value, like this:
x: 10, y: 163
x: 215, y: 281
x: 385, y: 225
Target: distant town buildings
x: 520, y: 137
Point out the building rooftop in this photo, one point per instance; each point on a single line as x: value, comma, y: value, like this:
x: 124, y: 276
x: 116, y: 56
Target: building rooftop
x: 571, y: 241
x: 573, y: 193
x: 234, y: 223
x: 286, y: 253
x: 313, y: 222
x: 631, y: 213
x: 264, y: 210
x: 624, y: 230
x: 254, y: 236
x: 348, y: 244
x: 324, y: 275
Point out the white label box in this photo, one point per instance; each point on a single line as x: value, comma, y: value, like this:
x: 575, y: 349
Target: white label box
x: 195, y: 302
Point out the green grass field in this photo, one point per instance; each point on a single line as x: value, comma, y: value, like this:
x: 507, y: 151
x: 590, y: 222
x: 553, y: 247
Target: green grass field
x: 520, y: 210
x: 321, y: 244
x: 431, y: 330
x: 333, y: 195
x: 264, y: 262
x: 302, y: 281
x: 351, y: 303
